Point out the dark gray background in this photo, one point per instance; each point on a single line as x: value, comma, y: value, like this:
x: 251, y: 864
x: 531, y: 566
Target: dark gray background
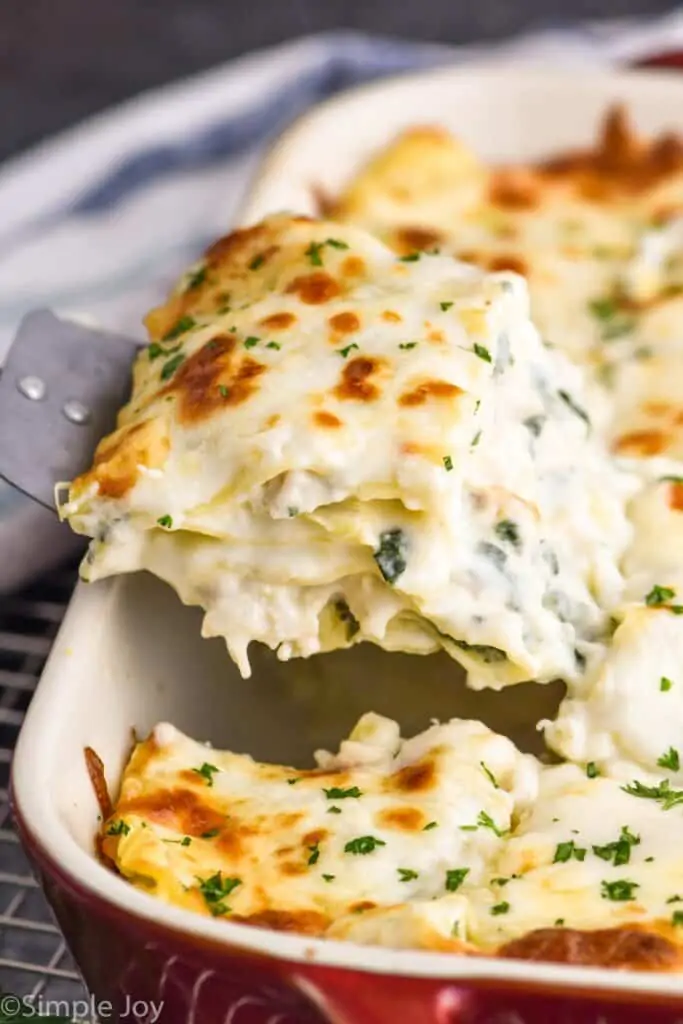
x: 61, y: 60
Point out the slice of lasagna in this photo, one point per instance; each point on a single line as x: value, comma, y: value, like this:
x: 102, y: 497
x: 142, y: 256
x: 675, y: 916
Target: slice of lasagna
x: 450, y: 841
x: 380, y: 842
x: 327, y: 443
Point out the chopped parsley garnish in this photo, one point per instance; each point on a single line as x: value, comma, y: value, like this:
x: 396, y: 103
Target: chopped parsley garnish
x: 499, y: 881
x: 196, y: 279
x: 293, y: 782
x: 251, y: 341
x: 675, y: 899
x: 292, y: 511
x: 508, y: 530
x: 485, y: 820
x: 445, y: 306
x: 455, y: 878
x: 603, y: 309
x: 476, y: 439
x: 412, y: 257
x: 334, y: 810
x: 181, y: 326
x: 574, y: 406
x: 500, y: 908
x: 670, y: 760
x: 185, y: 841
x: 342, y: 794
x: 665, y: 684
x: 215, y: 889
x: 620, y: 891
x: 405, y: 345
x: 663, y: 792
x: 559, y: 921
x: 313, y: 253
x: 565, y: 852
x: 659, y: 596
x: 430, y: 825
x: 169, y: 368
x: 618, y: 852
x: 274, y: 344
x: 489, y: 775
x: 257, y: 262
x: 207, y: 772
x: 677, y: 917
x: 448, y: 463
x: 391, y: 554
x: 406, y: 874
x: 592, y: 770
x: 223, y: 390
x: 329, y: 878
x: 165, y: 521
x: 363, y: 845
x: 615, y: 322
x: 315, y: 248
x: 343, y: 352
x: 314, y: 853
x: 482, y: 352
x: 118, y: 828
x: 154, y: 350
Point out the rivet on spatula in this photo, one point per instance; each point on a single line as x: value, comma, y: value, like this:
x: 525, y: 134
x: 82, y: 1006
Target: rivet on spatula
x: 76, y: 411
x: 33, y: 387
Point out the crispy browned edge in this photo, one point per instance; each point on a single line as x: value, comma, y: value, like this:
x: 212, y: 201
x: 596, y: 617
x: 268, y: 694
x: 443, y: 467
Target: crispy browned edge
x: 619, y: 162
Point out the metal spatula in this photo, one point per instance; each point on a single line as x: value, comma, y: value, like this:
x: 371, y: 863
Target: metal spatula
x: 60, y: 389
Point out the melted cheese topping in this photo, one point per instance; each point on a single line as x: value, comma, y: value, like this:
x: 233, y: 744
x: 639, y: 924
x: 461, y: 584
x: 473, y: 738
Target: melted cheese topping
x: 451, y: 841
x: 407, y: 463
x: 389, y: 826
x: 597, y: 234
x: 588, y: 855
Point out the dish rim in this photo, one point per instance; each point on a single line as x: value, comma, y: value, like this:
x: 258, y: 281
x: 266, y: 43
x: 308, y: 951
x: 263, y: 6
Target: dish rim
x: 58, y: 851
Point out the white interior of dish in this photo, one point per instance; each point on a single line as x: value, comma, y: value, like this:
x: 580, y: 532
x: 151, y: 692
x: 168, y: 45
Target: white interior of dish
x: 130, y: 655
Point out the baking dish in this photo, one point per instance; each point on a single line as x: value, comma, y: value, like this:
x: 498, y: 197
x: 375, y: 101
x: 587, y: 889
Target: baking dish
x: 129, y: 655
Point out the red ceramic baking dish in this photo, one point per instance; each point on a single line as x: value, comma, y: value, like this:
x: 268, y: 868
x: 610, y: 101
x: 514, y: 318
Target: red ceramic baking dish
x: 130, y: 655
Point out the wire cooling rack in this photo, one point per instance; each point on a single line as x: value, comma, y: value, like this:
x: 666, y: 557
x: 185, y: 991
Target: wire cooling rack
x: 34, y: 960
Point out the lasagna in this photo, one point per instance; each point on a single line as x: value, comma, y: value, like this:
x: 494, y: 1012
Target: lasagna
x: 446, y: 417
x: 329, y: 443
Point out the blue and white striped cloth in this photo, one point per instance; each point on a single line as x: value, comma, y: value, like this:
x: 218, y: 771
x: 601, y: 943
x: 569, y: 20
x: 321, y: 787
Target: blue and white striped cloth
x: 101, y: 219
